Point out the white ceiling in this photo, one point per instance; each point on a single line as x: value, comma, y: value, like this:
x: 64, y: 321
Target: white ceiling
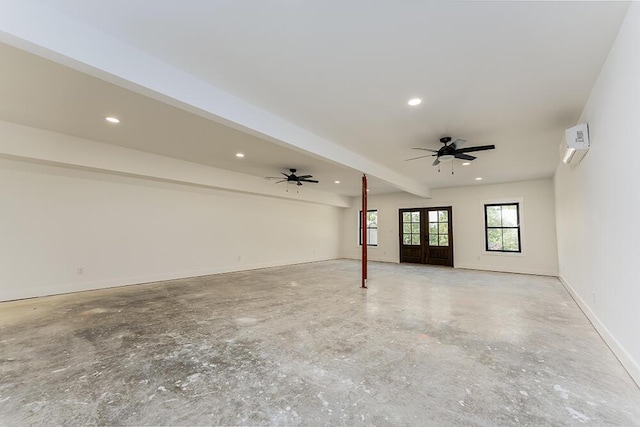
x: 41, y: 93
x: 513, y: 74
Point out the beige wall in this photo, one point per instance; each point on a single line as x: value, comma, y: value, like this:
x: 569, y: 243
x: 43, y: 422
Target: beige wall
x: 123, y: 230
x: 537, y: 226
x: 597, y: 203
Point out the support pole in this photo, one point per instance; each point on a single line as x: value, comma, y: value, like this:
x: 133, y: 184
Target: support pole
x: 363, y: 231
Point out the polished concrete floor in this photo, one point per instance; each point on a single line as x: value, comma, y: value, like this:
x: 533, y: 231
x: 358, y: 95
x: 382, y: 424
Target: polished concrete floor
x: 303, y: 345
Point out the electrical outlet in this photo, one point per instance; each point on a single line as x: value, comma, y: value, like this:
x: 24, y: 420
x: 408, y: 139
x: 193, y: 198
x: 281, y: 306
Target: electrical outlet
x: 80, y: 271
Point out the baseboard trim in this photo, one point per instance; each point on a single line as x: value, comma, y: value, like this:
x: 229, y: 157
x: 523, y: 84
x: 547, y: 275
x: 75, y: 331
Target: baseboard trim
x: 470, y: 267
x: 377, y: 259
x: 632, y: 366
x: 534, y: 271
x: 71, y: 287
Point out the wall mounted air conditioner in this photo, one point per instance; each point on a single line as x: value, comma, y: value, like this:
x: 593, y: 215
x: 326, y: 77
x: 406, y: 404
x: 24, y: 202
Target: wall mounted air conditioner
x: 576, y: 144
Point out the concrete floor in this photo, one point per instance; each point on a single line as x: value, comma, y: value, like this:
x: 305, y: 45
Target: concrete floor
x: 304, y: 345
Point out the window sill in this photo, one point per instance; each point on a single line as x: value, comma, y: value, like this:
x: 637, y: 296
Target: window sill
x: 496, y: 253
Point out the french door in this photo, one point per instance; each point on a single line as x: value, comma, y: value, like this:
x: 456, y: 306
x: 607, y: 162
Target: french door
x: 426, y: 236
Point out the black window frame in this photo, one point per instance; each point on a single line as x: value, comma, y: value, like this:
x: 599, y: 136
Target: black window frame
x: 368, y: 228
x: 487, y: 228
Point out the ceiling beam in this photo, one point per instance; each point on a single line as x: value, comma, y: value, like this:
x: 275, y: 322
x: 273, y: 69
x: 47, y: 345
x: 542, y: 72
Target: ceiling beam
x: 25, y: 143
x: 39, y: 28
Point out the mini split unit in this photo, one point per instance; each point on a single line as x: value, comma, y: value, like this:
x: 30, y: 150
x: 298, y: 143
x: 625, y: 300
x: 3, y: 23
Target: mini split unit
x: 575, y: 145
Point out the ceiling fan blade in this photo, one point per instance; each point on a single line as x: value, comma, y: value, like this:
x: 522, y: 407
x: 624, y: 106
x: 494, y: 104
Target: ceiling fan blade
x: 272, y: 177
x: 463, y: 156
x: 478, y: 148
x: 420, y: 157
x: 425, y: 149
x: 284, y: 174
x: 459, y: 143
x: 308, y: 180
x: 436, y: 162
x: 305, y: 176
x: 299, y: 183
x: 282, y: 180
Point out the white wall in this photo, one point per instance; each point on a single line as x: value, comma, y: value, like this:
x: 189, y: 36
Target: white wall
x: 598, y: 201
x: 537, y: 226
x: 124, y: 230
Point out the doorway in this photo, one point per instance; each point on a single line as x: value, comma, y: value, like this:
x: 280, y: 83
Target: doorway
x: 426, y: 236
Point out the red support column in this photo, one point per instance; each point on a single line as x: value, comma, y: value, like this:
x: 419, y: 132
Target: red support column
x: 363, y: 231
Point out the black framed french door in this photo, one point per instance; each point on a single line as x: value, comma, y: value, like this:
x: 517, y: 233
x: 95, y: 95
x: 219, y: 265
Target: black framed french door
x: 426, y: 235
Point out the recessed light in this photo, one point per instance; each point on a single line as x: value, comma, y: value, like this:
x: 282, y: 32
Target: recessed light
x: 415, y: 101
x: 466, y: 163
x: 478, y: 179
x: 336, y: 182
x: 367, y: 190
x: 239, y: 155
x: 112, y: 119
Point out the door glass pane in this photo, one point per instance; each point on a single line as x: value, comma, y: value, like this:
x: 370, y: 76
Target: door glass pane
x: 415, y: 216
x: 443, y: 216
x: 406, y: 239
x: 494, y: 216
x: 406, y: 228
x: 406, y: 217
x: 443, y: 240
x: 494, y: 239
x: 415, y: 239
x: 415, y: 227
x: 433, y: 239
x: 509, y: 216
x: 433, y: 227
x: 510, y: 239
x: 443, y: 228
x: 433, y: 216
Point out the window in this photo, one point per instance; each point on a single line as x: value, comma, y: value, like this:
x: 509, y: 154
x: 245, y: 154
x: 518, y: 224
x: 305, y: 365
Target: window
x: 372, y: 228
x: 502, y: 227
x: 411, y: 228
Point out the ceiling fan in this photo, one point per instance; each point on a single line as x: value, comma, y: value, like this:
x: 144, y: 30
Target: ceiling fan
x: 452, y: 150
x: 292, y: 177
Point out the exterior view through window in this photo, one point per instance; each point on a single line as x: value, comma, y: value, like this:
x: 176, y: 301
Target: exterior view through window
x: 502, y: 227
x: 438, y: 228
x: 372, y: 228
x: 411, y: 228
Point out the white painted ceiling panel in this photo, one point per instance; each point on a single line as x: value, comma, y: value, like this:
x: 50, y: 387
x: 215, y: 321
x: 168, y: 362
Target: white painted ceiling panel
x: 513, y: 74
